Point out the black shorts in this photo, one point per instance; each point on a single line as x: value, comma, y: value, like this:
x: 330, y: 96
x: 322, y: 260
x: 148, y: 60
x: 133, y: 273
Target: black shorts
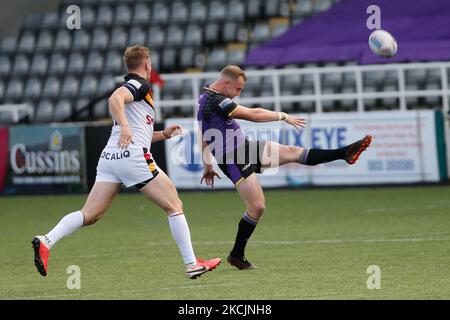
x: 244, y: 161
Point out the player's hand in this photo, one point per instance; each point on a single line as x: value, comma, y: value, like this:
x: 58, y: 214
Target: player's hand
x: 296, y: 122
x: 125, y: 137
x: 173, y: 131
x: 208, y: 176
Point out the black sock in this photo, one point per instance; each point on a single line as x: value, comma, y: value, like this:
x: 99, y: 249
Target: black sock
x: 245, y: 230
x: 316, y: 156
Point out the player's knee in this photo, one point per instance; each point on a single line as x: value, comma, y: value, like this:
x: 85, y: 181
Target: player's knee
x: 173, y: 206
x: 258, y: 208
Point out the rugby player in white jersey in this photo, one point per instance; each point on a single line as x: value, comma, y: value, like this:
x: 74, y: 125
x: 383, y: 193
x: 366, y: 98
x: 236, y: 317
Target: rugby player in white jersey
x: 126, y: 160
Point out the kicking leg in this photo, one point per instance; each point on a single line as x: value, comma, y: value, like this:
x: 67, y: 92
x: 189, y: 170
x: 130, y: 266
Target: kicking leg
x: 251, y: 192
x: 276, y: 154
x: 97, y: 203
x: 162, y: 192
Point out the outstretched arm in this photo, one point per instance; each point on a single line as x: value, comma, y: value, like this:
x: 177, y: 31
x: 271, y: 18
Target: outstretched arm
x: 264, y: 115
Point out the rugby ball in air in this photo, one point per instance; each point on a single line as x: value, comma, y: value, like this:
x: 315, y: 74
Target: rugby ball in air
x: 383, y: 44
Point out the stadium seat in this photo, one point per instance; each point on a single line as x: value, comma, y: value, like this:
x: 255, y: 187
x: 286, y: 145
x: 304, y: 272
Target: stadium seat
x: 100, y: 38
x: 174, y: 36
x: 216, y: 59
x: 230, y: 31
x: 27, y: 42
x: 21, y: 65
x: 39, y: 65
x: 5, y: 66
x: 58, y: 63
x: 278, y: 26
x: 62, y: 110
x: 179, y: 12
x: 113, y: 62
x: 253, y: 8
x: 169, y: 56
x: 33, y: 88
x: 141, y: 13
x: 81, y: 39
x: 14, y: 89
x: 197, y: 11
x: 216, y: 11
x: 303, y: 8
x: 94, y: 62
x: 187, y: 57
x: 155, y: 57
x: 123, y: 15
x: 235, y: 11
x: 272, y: 8
x: 194, y: 35
x: 9, y: 45
x: 52, y: 86
x: 70, y: 87
x: 44, y: 111
x: 236, y: 53
x: 260, y: 32
x: 105, y: 15
x: 212, y: 33
x: 45, y: 41
x: 322, y: 5
x: 50, y: 20
x: 161, y: 13
x: 89, y: 85
x: 119, y: 38
x: 136, y: 36
x: 76, y: 63
x: 101, y: 109
x: 87, y: 17
x: 63, y: 40
x: 106, y: 84
x: 156, y: 37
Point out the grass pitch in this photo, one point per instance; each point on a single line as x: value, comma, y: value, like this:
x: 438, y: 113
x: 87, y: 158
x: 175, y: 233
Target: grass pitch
x: 311, y: 244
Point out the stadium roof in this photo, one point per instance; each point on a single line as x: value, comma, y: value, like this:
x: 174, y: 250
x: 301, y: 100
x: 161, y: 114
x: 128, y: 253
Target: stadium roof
x: 421, y: 28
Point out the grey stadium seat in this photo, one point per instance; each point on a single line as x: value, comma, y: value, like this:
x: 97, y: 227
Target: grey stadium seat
x: 179, y: 12
x: 260, y: 32
x: 101, y: 109
x: 62, y: 110
x: 81, y: 39
x: 106, y: 84
x: 27, y: 42
x: 254, y: 8
x: 45, y: 40
x: 58, y: 63
x: 197, y: 11
x: 160, y: 12
x: 39, y: 65
x: 44, y: 111
x: 193, y: 36
x: 187, y: 57
x: 70, y: 87
x: 216, y: 59
x: 141, y: 13
x: 104, y: 16
x: 5, y: 66
x: 63, y: 40
x: 118, y: 38
x: 230, y: 30
x: 303, y: 8
x: 174, y: 36
x: 136, y: 36
x: 94, y: 62
x: 216, y: 11
x: 212, y: 32
x: 14, y: 89
x: 76, y: 63
x: 236, y: 10
x: 236, y: 56
x: 156, y: 37
x: 123, y: 14
x: 169, y: 56
x: 89, y: 86
x: 52, y: 87
x: 113, y: 61
x: 87, y: 16
x: 21, y: 65
x: 9, y: 44
x: 34, y: 88
x: 100, y: 39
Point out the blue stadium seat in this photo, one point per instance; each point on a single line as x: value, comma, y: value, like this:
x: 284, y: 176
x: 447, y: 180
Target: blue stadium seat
x: 39, y: 65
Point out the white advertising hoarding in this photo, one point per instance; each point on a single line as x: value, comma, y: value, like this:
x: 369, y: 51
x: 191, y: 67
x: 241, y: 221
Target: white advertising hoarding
x: 403, y: 150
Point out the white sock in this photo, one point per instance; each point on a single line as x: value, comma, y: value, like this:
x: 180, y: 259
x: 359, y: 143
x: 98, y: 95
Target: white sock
x: 182, y: 236
x: 66, y: 226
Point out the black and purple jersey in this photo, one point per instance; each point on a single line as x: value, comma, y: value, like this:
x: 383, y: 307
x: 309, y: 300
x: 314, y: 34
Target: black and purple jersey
x: 222, y: 133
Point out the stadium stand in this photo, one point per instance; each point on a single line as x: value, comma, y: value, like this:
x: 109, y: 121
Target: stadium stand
x: 52, y: 67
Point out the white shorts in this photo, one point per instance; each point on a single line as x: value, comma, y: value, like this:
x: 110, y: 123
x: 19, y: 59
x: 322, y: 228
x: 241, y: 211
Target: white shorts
x: 133, y: 166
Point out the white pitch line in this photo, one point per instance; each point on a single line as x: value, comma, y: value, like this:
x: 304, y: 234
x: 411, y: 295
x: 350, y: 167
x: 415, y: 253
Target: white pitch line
x: 127, y: 291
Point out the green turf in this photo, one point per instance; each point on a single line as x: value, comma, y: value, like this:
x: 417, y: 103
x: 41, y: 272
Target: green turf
x: 311, y: 244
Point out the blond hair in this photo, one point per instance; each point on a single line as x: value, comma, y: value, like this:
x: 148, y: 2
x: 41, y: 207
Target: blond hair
x: 135, y: 55
x: 233, y: 72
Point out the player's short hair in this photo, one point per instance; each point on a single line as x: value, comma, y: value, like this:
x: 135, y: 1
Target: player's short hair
x: 233, y: 72
x: 135, y: 55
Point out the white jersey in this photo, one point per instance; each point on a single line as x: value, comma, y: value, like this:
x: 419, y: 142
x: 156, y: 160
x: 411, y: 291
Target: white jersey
x: 140, y: 113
